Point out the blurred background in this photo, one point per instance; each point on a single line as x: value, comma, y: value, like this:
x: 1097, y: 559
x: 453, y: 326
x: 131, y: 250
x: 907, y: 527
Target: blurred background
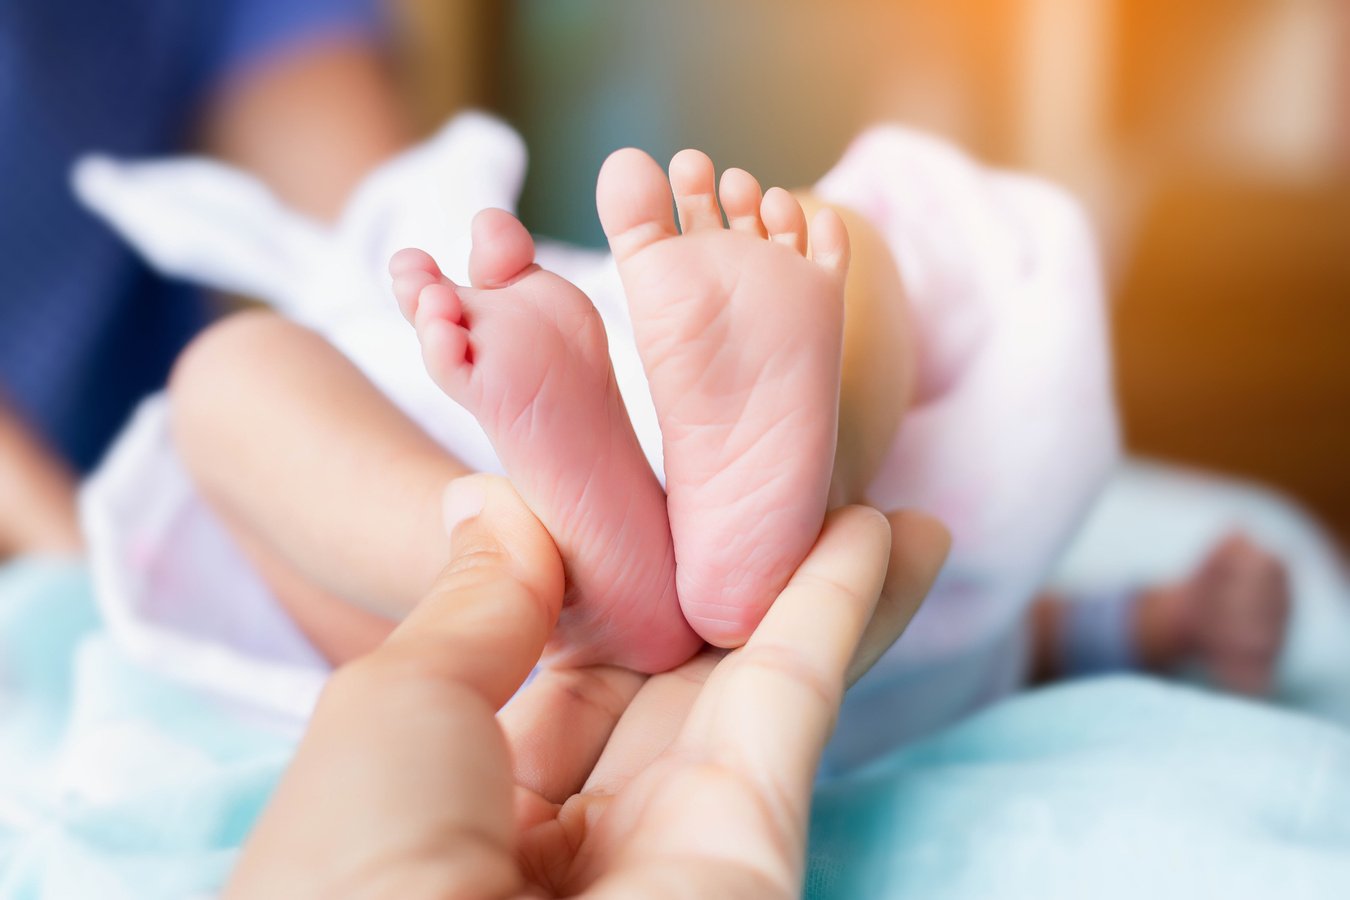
x: 1209, y: 140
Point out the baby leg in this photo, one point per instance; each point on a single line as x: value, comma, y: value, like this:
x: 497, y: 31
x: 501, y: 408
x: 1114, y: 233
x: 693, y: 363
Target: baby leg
x: 332, y: 492
x: 880, y: 356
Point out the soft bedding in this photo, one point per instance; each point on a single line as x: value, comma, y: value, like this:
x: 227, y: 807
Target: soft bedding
x: 1111, y: 788
x: 117, y: 782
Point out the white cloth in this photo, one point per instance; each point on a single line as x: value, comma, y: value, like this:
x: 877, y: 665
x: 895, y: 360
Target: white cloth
x: 1016, y: 429
x: 1014, y: 436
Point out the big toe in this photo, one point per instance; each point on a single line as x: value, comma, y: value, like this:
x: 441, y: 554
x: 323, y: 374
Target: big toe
x: 633, y: 198
x: 502, y: 249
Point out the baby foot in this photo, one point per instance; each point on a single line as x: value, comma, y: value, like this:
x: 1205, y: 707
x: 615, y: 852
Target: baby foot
x: 525, y: 352
x: 1236, y: 609
x: 741, y: 334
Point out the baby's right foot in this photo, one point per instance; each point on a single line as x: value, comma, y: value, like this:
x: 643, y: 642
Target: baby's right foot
x: 741, y: 334
x: 526, y: 353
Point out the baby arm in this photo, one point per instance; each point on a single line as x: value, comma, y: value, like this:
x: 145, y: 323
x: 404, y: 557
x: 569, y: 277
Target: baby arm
x: 37, y: 495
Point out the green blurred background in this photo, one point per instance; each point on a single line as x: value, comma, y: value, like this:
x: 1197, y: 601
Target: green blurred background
x: 1208, y: 140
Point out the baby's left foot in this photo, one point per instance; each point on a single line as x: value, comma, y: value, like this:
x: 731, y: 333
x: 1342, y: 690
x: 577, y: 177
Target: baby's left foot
x: 741, y: 334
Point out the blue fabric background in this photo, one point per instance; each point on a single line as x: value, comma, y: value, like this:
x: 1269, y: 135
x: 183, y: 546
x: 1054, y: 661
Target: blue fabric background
x: 85, y: 329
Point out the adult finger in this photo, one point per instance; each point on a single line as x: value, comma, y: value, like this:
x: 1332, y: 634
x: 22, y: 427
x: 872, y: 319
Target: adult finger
x: 650, y: 723
x: 561, y: 723
x: 403, y: 767
x: 771, y: 705
x: 919, y: 547
x: 486, y: 620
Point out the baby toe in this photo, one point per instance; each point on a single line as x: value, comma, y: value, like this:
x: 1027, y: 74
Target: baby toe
x: 829, y: 241
x: 693, y: 179
x: 741, y: 198
x: 784, y: 220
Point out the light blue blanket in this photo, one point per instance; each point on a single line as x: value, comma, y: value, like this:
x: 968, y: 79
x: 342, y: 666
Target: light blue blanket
x: 113, y: 783
x: 1120, y: 787
x: 117, y: 784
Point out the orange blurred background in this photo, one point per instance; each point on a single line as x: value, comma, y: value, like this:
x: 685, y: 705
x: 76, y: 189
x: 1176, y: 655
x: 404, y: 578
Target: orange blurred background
x: 1209, y: 140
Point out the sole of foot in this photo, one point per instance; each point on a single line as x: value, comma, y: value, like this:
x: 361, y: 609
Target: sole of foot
x: 526, y: 353
x: 740, y: 329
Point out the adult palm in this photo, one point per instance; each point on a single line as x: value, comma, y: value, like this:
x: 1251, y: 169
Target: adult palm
x: 597, y: 782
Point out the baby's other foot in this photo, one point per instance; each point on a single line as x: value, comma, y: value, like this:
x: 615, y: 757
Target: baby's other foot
x: 1236, y: 613
x: 525, y: 352
x: 741, y: 334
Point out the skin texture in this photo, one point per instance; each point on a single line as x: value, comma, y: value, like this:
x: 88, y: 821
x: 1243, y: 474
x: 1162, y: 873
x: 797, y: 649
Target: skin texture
x: 595, y: 782
x: 741, y: 335
x: 525, y: 351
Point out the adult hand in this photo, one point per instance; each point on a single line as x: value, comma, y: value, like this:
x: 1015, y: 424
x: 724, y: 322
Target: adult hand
x: 593, y: 781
